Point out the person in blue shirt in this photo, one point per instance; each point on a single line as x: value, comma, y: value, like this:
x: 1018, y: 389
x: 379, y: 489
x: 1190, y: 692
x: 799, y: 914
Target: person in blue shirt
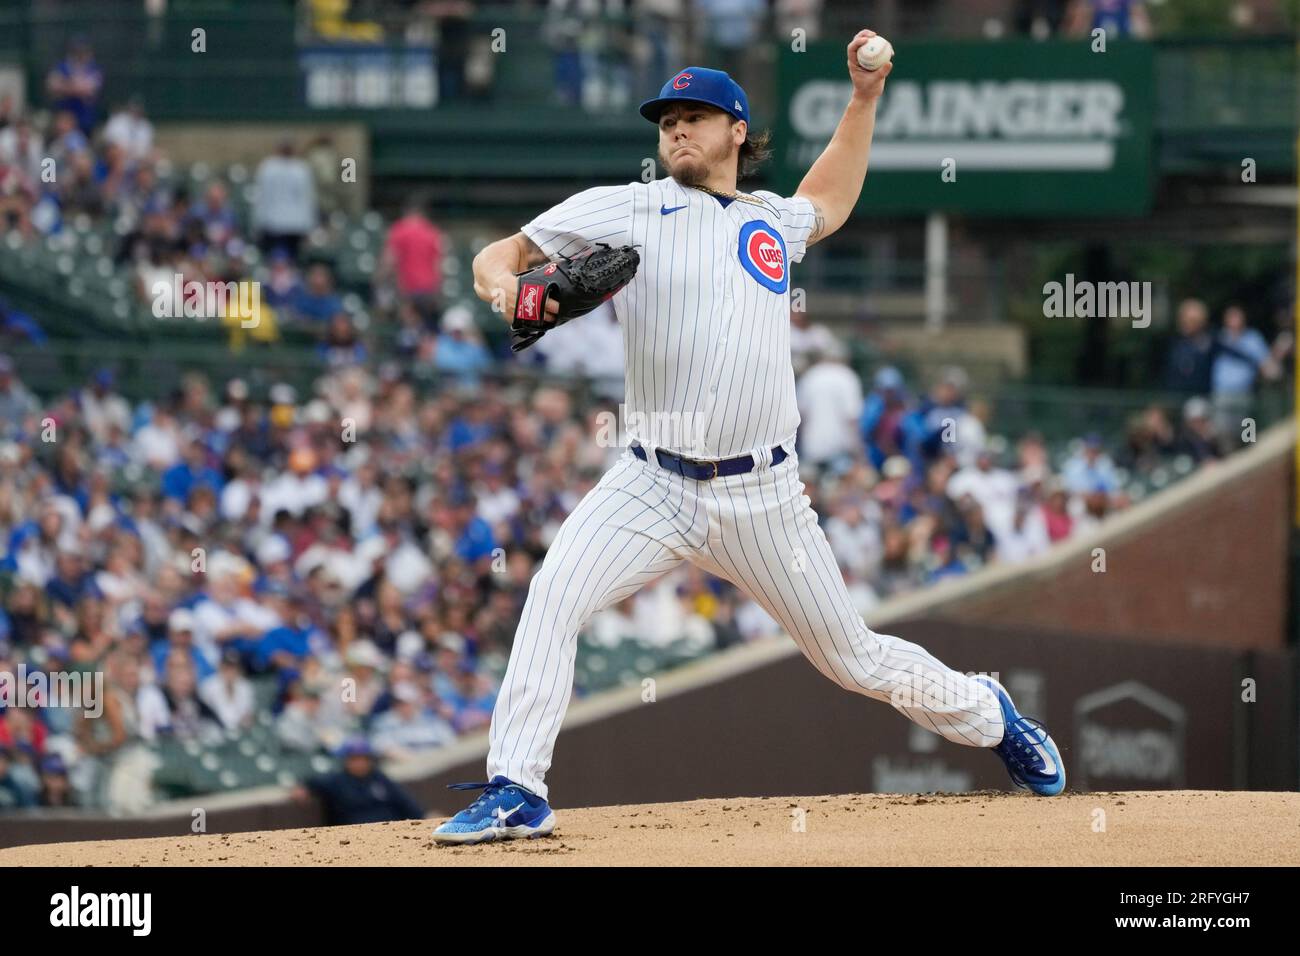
x: 180, y: 640
x: 1090, y: 469
x: 883, y: 411
x: 193, y: 470
x: 1241, y: 355
x: 475, y: 540
x: 75, y: 84
x: 319, y: 302
x: 71, y: 580
x: 1119, y: 18
x: 286, y: 646
x: 460, y: 353
x: 360, y: 792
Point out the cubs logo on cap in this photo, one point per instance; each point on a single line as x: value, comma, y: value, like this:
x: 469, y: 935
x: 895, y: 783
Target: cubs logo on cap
x: 762, y: 255
x: 699, y: 84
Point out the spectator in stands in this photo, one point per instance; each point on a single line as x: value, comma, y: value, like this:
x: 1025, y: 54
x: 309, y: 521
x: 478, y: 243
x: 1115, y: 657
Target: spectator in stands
x: 65, y: 145
x: 75, y: 83
x: 191, y: 471
x: 472, y: 700
x: 171, y: 707
x: 282, y: 284
x: 17, y: 199
x: 1190, y: 357
x: 994, y: 489
x: 17, y: 404
x: 23, y: 147
x: 460, y: 352
x: 1055, y: 511
x: 341, y: 344
x: 361, y: 792
x: 1121, y: 19
x: 56, y: 791
x: 216, y: 219
x: 14, y: 794
x: 1026, y: 536
x: 942, y: 424
x: 1150, y: 441
x: 101, y: 407
x: 413, y: 258
x: 409, y: 727
x: 732, y: 30
x: 180, y: 643
x: 71, y: 580
x: 563, y: 29
x: 1199, y: 437
x: 1039, y: 19
x: 319, y: 302
x: 130, y: 130
x: 284, y: 211
x: 1241, y: 356
x: 807, y: 340
x: 453, y: 18
x: 791, y: 15
x: 229, y: 695
x: 1090, y: 469
x: 829, y: 396
x: 322, y: 155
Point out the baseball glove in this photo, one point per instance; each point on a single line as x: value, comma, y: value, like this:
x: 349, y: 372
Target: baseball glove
x: 578, y: 283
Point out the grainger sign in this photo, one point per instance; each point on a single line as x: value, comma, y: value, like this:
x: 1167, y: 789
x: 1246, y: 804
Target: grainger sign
x: 1022, y: 128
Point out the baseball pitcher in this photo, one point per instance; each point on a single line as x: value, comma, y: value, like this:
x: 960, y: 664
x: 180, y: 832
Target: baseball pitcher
x: 699, y: 276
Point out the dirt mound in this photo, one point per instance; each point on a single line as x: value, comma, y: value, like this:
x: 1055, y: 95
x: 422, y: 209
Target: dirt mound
x: 1134, y: 828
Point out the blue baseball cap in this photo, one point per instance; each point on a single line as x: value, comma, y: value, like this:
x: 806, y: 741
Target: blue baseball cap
x: 699, y: 84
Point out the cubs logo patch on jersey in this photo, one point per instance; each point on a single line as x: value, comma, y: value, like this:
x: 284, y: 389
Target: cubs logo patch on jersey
x: 762, y: 254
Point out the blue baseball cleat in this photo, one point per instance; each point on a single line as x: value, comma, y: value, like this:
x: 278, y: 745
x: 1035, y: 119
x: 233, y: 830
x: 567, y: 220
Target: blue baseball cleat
x: 503, y: 811
x: 1027, y: 749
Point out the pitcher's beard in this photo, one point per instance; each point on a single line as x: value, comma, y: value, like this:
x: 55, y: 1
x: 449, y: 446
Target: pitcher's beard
x: 696, y: 172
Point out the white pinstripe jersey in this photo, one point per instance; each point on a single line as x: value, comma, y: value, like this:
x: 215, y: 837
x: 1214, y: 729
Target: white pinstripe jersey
x: 706, y: 321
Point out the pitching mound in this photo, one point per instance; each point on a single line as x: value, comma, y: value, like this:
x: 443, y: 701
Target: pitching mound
x: 1134, y: 828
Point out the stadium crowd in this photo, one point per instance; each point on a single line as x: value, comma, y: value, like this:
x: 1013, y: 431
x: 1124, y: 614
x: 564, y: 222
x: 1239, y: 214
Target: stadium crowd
x: 367, y: 549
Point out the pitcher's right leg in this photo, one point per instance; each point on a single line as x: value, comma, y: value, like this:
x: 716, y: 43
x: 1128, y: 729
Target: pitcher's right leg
x: 636, y: 524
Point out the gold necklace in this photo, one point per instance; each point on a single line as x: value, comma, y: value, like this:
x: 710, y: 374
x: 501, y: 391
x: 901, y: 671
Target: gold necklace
x: 742, y: 197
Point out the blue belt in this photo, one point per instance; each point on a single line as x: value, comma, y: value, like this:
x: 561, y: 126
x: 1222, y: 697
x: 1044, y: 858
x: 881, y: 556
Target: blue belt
x: 707, y: 470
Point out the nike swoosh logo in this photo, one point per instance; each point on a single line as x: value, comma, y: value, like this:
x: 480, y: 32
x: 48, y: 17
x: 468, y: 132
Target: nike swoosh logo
x: 1049, y: 765
x: 503, y: 816
x: 664, y: 210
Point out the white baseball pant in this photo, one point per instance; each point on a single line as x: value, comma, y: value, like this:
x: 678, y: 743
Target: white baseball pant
x: 756, y: 530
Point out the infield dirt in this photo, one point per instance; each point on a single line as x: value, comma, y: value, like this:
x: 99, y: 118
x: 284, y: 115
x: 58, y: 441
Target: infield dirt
x: 1208, y: 828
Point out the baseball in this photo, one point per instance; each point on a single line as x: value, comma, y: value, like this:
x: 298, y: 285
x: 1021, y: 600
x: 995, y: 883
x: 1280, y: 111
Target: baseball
x: 875, y: 53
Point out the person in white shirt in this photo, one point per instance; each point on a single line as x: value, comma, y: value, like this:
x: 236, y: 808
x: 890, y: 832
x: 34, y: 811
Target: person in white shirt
x: 993, y: 489
x: 285, y: 209
x: 297, y: 489
x: 807, y: 340
x: 130, y: 129
x: 830, y: 403
x: 157, y: 445
x: 229, y: 694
